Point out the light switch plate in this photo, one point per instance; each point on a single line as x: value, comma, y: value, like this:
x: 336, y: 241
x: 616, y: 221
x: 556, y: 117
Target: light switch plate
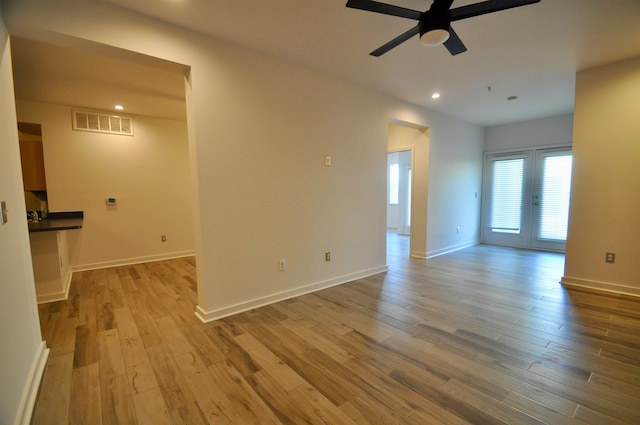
x: 3, y: 212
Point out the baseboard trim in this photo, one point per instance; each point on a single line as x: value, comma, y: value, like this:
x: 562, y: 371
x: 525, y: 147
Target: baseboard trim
x: 135, y: 260
x: 28, y: 401
x: 210, y: 316
x: 578, y: 283
x: 420, y: 255
x: 450, y: 249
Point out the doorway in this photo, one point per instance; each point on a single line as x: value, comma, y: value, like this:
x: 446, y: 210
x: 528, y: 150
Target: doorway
x: 527, y: 196
x: 408, y: 147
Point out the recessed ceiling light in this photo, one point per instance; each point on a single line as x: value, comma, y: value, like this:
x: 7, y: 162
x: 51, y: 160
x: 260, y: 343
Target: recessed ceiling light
x: 119, y: 107
x: 436, y: 95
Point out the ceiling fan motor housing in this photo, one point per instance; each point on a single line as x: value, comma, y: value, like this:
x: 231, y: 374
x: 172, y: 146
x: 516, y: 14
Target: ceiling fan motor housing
x: 435, y: 25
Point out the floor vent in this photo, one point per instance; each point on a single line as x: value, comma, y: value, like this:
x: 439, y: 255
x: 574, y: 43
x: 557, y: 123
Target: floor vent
x: 102, y: 123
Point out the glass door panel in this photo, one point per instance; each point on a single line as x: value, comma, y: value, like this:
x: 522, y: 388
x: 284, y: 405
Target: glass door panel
x: 551, y: 199
x: 506, y: 218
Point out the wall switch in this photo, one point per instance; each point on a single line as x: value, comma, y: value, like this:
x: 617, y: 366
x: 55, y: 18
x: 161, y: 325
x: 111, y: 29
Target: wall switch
x: 282, y: 265
x: 3, y: 212
x: 610, y: 257
x: 327, y: 256
x: 163, y: 238
x: 327, y: 160
x: 458, y: 229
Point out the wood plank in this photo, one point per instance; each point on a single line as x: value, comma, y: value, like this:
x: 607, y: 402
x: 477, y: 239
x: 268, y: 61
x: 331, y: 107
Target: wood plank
x: 54, y: 398
x: 117, y: 403
x: 151, y: 408
x: 277, y: 370
x: 111, y: 361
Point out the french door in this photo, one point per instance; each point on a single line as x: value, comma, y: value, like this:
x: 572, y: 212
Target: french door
x: 526, y: 198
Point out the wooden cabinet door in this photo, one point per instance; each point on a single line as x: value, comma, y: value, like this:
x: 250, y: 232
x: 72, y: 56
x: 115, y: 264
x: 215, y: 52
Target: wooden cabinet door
x: 32, y: 158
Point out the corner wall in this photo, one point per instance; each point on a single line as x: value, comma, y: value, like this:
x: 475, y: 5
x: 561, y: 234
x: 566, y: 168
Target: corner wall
x: 22, y: 350
x: 605, y: 201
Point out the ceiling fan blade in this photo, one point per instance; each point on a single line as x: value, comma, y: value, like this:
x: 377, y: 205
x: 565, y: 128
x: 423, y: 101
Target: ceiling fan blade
x: 454, y: 45
x: 446, y: 4
x: 386, y: 9
x: 485, y: 7
x: 395, y: 42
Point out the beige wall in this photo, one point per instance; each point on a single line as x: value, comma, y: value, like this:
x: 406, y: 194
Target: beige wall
x: 551, y: 131
x: 148, y: 173
x: 605, y: 201
x: 22, y: 349
x: 258, y: 132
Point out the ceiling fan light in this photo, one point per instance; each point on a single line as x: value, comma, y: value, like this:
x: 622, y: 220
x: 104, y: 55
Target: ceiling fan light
x: 434, y: 37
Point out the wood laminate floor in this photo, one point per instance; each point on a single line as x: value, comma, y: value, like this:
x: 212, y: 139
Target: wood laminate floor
x: 485, y: 335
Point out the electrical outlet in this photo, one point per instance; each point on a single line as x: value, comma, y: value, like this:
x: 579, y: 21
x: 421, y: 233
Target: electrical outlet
x: 163, y: 238
x: 327, y: 256
x: 610, y: 257
x: 282, y: 265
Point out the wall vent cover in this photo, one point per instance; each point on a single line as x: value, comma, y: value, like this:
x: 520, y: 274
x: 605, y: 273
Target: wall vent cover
x: 102, y: 123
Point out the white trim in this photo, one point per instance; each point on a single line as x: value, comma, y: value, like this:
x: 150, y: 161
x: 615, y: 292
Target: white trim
x: 136, y: 260
x: 576, y: 282
x: 209, y: 316
x: 28, y: 401
x: 64, y: 294
x: 420, y: 255
x: 451, y: 248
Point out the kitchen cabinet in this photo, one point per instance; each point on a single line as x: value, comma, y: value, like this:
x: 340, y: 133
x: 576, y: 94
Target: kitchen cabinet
x: 32, y: 158
x: 50, y: 254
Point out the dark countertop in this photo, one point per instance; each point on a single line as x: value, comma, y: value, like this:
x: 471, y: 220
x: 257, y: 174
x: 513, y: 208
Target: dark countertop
x: 55, y: 221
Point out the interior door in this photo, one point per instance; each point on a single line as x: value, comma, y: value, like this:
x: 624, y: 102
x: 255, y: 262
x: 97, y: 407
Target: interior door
x: 508, y: 189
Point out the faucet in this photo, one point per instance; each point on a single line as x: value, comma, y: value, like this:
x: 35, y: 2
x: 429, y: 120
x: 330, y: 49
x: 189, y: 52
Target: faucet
x: 33, y: 216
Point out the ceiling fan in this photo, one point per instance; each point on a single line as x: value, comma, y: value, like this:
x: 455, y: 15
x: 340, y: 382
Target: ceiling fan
x: 434, y: 25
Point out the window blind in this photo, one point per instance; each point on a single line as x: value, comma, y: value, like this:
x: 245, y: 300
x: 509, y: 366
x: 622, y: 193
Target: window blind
x: 506, y: 193
x: 554, y: 197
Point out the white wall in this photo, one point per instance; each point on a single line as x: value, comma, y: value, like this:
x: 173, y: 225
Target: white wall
x: 22, y: 349
x: 147, y: 173
x: 455, y: 181
x: 605, y: 206
x: 258, y: 132
x: 550, y: 131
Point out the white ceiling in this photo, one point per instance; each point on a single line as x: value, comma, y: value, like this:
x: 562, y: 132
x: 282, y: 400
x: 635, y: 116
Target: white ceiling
x: 532, y: 52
